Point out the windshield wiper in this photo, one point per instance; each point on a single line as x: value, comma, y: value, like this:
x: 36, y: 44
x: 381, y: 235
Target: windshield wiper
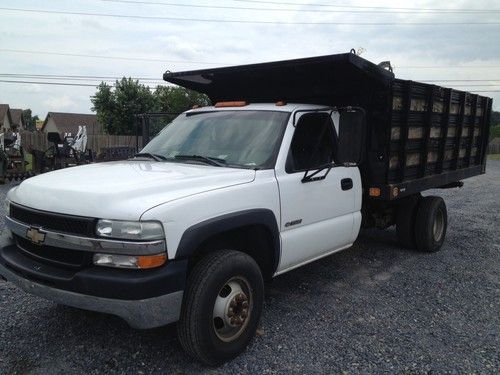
x: 207, y: 159
x: 155, y: 157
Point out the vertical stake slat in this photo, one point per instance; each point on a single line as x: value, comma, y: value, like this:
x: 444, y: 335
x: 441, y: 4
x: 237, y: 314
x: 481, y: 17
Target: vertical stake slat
x: 445, y: 123
x: 485, y: 131
x: 427, y: 135
x: 472, y: 129
x: 403, y: 134
x: 458, y: 131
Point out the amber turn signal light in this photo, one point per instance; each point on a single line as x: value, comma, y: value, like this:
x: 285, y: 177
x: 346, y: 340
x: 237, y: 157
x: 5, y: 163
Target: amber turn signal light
x: 374, y: 192
x: 151, y: 261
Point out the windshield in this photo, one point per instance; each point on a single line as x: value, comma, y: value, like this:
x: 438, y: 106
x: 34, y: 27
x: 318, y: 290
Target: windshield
x: 246, y: 139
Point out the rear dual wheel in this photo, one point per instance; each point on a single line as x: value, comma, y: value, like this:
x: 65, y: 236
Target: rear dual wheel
x: 421, y: 222
x: 430, y: 224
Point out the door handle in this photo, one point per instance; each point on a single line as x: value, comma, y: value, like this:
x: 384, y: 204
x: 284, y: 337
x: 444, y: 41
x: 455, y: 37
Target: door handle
x: 346, y: 184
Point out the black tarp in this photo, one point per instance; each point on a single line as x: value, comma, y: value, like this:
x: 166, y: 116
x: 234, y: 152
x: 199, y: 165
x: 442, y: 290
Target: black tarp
x: 317, y: 80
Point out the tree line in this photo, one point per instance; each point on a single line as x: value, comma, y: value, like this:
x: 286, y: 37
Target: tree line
x: 116, y: 107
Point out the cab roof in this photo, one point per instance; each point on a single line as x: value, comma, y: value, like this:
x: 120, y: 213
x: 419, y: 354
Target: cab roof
x: 308, y: 80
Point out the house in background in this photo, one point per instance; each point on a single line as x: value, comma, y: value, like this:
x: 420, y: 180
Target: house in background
x: 5, y: 118
x: 17, y: 117
x: 62, y: 122
x: 39, y: 125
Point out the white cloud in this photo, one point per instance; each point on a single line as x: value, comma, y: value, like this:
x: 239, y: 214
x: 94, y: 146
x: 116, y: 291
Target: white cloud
x: 60, y: 103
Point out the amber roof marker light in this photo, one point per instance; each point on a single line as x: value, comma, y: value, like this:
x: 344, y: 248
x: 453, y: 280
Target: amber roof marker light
x: 237, y: 103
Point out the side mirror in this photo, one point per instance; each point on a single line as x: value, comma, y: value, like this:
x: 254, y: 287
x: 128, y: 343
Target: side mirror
x: 351, y: 136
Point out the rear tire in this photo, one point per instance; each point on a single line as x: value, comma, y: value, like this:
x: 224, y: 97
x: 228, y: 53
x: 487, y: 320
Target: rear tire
x: 430, y: 224
x: 406, y: 214
x: 222, y: 306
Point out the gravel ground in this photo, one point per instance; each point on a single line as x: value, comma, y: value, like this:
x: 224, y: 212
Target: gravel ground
x: 370, y: 309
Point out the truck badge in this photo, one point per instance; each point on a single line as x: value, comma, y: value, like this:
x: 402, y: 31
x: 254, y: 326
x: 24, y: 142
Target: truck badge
x: 35, y: 235
x: 293, y: 222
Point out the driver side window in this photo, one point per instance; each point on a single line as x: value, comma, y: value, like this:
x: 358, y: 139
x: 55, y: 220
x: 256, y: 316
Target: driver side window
x: 312, y: 144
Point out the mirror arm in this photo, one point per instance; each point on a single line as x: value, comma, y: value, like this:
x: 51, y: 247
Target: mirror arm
x: 310, y: 177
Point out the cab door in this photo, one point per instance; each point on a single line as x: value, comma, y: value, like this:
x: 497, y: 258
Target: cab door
x: 316, y: 213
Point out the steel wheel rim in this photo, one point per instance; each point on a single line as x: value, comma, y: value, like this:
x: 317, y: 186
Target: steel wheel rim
x: 438, y: 226
x: 232, y: 309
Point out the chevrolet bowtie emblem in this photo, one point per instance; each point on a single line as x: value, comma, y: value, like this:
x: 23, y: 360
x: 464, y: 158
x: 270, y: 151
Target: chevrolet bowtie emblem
x: 35, y: 235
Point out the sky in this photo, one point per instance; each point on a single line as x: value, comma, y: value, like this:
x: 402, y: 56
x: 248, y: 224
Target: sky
x: 146, y: 47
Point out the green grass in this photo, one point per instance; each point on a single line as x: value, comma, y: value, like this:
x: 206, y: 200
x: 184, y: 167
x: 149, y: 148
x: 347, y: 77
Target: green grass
x: 494, y: 156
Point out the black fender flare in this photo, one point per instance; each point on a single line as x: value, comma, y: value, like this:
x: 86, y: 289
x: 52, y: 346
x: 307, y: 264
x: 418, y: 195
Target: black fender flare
x: 195, y: 235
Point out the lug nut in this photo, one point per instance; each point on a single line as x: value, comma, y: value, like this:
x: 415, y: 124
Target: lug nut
x: 244, y: 304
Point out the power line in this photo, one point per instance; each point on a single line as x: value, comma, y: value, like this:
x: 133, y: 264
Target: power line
x: 108, y: 57
x: 162, y: 18
x: 159, y: 79
x: 74, y: 77
x: 95, y: 85
x: 50, y: 83
x: 61, y: 83
x: 458, y: 80
x: 476, y: 85
x: 447, y: 66
x: 358, y: 6
x: 145, y: 59
x: 229, y: 7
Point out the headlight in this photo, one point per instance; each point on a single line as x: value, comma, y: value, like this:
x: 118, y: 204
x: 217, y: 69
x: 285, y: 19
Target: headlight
x: 130, y: 230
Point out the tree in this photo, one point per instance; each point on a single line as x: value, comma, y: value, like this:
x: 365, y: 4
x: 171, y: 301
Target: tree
x: 495, y: 118
x: 117, y: 107
x: 30, y: 120
x: 178, y: 99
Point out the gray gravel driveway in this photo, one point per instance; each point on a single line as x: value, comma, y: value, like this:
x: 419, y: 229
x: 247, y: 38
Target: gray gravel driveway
x: 370, y: 309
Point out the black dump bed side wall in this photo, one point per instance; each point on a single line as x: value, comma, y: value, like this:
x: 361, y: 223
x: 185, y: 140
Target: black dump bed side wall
x: 433, y: 136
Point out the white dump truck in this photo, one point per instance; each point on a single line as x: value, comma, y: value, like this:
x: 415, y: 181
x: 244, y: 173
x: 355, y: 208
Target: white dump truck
x: 293, y: 158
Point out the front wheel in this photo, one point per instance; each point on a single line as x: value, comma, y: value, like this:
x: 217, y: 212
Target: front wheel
x: 222, y: 306
x: 430, y: 224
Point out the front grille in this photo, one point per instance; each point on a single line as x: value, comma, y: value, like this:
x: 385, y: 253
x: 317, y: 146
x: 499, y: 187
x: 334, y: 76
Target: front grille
x: 78, y: 225
x: 54, y: 255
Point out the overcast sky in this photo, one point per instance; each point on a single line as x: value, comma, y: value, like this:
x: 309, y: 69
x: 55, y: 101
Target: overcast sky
x: 184, y: 45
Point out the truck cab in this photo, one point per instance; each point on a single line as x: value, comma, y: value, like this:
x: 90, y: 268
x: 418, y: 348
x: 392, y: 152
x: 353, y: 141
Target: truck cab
x: 123, y: 237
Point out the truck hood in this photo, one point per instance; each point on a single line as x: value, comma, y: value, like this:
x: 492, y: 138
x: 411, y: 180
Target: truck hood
x: 122, y: 190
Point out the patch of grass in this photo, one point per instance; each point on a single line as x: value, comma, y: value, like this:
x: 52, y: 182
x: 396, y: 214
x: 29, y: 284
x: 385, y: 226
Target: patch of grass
x: 494, y: 156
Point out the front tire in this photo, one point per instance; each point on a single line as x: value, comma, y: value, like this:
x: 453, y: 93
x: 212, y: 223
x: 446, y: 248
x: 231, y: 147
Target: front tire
x: 430, y: 224
x: 222, y: 306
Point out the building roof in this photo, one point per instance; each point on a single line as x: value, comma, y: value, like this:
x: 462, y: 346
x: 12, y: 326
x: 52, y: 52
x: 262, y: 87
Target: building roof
x: 17, y: 116
x: 4, y: 110
x: 69, y: 122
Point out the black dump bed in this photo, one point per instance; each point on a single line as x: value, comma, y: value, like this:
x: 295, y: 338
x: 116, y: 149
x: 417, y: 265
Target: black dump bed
x: 441, y: 134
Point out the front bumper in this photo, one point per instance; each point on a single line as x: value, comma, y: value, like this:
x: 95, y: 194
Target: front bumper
x: 143, y: 298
